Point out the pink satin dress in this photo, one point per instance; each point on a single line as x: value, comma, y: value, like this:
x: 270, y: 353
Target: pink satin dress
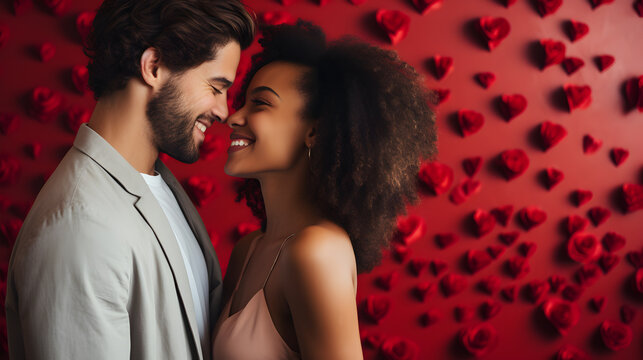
x: 249, y: 333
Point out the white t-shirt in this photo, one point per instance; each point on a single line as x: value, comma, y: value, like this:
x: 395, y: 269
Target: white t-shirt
x: 190, y: 250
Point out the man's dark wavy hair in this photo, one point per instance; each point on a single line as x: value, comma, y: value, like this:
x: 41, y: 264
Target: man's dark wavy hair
x: 374, y: 125
x: 186, y: 33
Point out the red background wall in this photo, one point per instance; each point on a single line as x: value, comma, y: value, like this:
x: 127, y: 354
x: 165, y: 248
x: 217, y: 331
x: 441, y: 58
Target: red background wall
x: 523, y: 332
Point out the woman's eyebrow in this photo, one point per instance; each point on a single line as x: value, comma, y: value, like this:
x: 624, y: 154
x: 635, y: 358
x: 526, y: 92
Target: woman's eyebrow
x: 264, y: 88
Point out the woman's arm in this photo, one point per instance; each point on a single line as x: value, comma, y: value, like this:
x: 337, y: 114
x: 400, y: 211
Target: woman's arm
x: 318, y: 283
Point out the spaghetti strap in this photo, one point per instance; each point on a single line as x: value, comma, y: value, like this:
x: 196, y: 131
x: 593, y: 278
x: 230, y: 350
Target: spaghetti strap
x: 245, y: 263
x: 275, y: 261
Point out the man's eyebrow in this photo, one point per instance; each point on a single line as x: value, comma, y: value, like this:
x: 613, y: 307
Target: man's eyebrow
x: 222, y: 80
x: 264, y: 88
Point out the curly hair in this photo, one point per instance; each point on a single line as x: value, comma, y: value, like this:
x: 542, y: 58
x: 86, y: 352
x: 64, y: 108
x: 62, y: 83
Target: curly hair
x: 185, y: 33
x: 374, y: 125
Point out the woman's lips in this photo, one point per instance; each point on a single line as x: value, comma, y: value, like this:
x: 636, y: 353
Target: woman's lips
x: 239, y: 144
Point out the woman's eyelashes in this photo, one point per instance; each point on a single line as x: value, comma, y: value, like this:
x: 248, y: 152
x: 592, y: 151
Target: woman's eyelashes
x: 259, y: 102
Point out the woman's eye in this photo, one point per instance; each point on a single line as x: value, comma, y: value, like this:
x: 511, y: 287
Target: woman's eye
x: 259, y: 102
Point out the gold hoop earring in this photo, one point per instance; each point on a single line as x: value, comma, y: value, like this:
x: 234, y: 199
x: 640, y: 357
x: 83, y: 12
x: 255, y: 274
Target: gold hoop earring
x: 308, y: 153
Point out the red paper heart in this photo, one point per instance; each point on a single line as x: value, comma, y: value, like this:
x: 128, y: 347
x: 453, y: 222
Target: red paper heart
x: 619, y: 155
x: 9, y: 123
x: 512, y: 105
x: 570, y: 352
x: 513, y: 162
x: 528, y: 248
x: 80, y: 78
x: 597, y: 3
x: 445, y: 240
x: 608, y: 261
x: 453, y: 284
x: 591, y: 144
x: 477, y: 260
x: 387, y: 281
x: 572, y: 64
x: 462, y: 313
x: 554, y: 52
x: 613, y: 242
x: 556, y: 282
x: 463, y: 191
x: 615, y: 335
x: 376, y: 307
x: 470, y: 122
x: 490, y: 308
x: 443, y: 95
x: 424, y: 290
x: 509, y: 293
x: 509, y: 238
x: 490, y: 284
x: 576, y: 30
x: 536, y: 290
x: 46, y: 51
x: 561, y: 314
x: 599, y: 215
x: 553, y: 177
x: 480, y: 339
x: 495, y: 250
x: 484, y: 222
x: 578, y: 96
x: 424, y: 6
x: 486, y: 79
x: 604, y: 62
x: 598, y: 303
x: 588, y: 274
x: 439, y: 267
x: 518, y: 267
x: 472, y: 165
x: 436, y: 176
x: 632, y: 196
x: 410, y: 229
x: 576, y: 224
x: 394, y: 23
x: 551, y: 134
x: 531, y: 216
x: 548, y: 7
x: 494, y: 30
x: 582, y: 247
x: 581, y: 197
x: 503, y: 214
x: 442, y: 66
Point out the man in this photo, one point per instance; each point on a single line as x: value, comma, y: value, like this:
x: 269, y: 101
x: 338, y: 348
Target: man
x: 113, y: 260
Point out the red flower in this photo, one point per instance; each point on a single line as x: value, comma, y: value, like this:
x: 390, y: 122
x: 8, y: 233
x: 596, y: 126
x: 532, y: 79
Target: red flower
x: 84, y: 22
x: 572, y: 292
x: 470, y: 122
x: 627, y: 314
x: 632, y: 196
x: 410, y: 229
x: 436, y: 176
x: 634, y: 93
x: 569, y: 352
x: 578, y: 96
x: 400, y: 252
x: 555, y: 282
x: 9, y: 169
x: 484, y: 222
x: 635, y: 258
x: 397, y: 348
x: 513, y: 163
x: 394, y: 23
x: 512, y: 105
x: 442, y: 94
x: 486, y: 79
x: 479, y: 340
x: 604, y: 62
x: 424, y: 6
x: 638, y: 6
x: 562, y: 314
x: 572, y: 64
x: 548, y: 7
x: 554, y: 52
x: 551, y: 134
x: 576, y: 224
x: 439, y: 267
x: 591, y: 144
x: 445, y: 240
x: 45, y: 104
x: 495, y: 250
x: 582, y: 247
x: 531, y: 216
x: 453, y: 284
x: 477, y: 260
x: 494, y: 30
x: 201, y: 188
x: 576, y: 30
x: 615, y: 335
x: 509, y: 293
x: 376, y: 307
x: 472, y: 165
x: 528, y: 249
x: 442, y: 66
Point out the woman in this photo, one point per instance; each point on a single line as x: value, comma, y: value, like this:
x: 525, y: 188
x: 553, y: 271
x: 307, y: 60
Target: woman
x: 334, y: 134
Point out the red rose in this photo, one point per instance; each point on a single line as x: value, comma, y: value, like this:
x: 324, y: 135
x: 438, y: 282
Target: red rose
x: 598, y: 303
x: 569, y: 352
x: 576, y: 30
x: 387, y: 281
x: 562, y: 314
x: 604, y: 62
x: 576, y: 224
x: 417, y: 266
x: 439, y: 267
x: 201, y: 188
x: 607, y: 261
x: 496, y: 250
x: 572, y: 292
x: 490, y: 308
x: 9, y: 169
x: 430, y: 317
x: 436, y: 176
x: 212, y: 146
x: 376, y: 307
x: 463, y: 313
x: 57, y: 7
x: 424, y: 290
x: 480, y: 339
x: 591, y: 144
x: 587, y: 274
x: 84, y: 22
x: 582, y: 247
x: 394, y: 23
x: 398, y: 348
x: 615, y: 335
x: 490, y: 284
x: 556, y: 281
x: 76, y: 116
x: 45, y: 104
x: 581, y: 197
x: 410, y: 229
x: 472, y: 165
x: 486, y: 79
x: 553, y: 177
x: 513, y: 163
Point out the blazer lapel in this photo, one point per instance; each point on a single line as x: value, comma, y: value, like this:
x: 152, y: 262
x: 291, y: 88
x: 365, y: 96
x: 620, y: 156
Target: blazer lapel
x: 94, y: 146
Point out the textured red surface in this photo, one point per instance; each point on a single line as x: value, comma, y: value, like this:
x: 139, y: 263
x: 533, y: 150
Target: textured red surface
x: 448, y: 30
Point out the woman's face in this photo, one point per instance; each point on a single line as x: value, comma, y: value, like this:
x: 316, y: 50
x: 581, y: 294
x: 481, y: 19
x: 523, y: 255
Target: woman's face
x: 269, y: 134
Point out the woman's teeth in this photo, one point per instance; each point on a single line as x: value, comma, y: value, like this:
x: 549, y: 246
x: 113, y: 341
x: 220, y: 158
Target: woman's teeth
x: 239, y: 143
x: 201, y: 127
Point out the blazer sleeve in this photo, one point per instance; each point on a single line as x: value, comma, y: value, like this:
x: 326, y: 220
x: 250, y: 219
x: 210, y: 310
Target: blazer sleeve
x: 69, y: 290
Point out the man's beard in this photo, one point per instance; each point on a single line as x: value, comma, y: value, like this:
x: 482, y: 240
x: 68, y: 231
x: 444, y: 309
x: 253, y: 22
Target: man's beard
x: 172, y: 124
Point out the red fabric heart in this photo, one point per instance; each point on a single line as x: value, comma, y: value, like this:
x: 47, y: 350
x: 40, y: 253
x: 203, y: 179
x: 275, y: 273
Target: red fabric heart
x: 634, y: 93
x: 588, y: 274
x: 619, y: 155
x: 480, y: 339
x: 615, y: 335
x: 213, y: 146
x: 494, y: 30
x: 490, y: 284
x: 518, y: 267
x: 548, y: 7
x: 536, y: 290
x: 531, y: 216
x: 582, y: 247
x: 80, y: 78
x: 635, y: 258
x: 613, y: 242
x: 572, y: 292
x: 556, y: 282
x: 495, y: 250
x: 398, y: 348
x: 57, y: 7
x: 444, y: 240
x: 462, y: 313
x: 439, y: 267
x: 376, y: 307
x: 591, y: 144
x: 509, y: 238
x: 551, y: 134
x: 554, y: 52
x: 578, y: 96
x: 572, y: 64
x: 9, y: 123
x: 9, y: 169
x: 632, y: 196
x: 470, y: 122
x: 528, y: 248
x: 400, y: 253
x: 570, y: 352
x: 597, y: 3
x: 463, y: 191
x: 472, y: 165
x: 561, y: 314
x: 608, y: 261
x: 503, y: 214
x: 512, y: 105
x: 599, y: 215
x: 410, y: 229
x: 436, y: 176
x: 443, y: 95
x: 387, y: 281
x: 477, y: 260
x: 424, y: 290
x: 604, y: 62
x: 576, y: 30
x: 490, y: 308
x: 75, y: 117
x: 576, y: 224
x: 553, y: 177
x: 442, y: 66
x: 486, y: 79
x: 276, y: 18
x: 581, y: 197
x: 627, y: 314
x: 46, y: 51
x: 424, y: 6
x: 417, y: 266
x: 513, y: 163
x: 45, y: 104
x: 598, y: 303
x: 453, y: 284
x: 484, y: 222
x: 202, y: 189
x: 430, y: 317
x: 394, y: 23
x: 84, y: 22
x: 509, y: 293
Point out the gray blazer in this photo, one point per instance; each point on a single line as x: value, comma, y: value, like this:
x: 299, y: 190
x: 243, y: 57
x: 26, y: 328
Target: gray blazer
x: 96, y: 272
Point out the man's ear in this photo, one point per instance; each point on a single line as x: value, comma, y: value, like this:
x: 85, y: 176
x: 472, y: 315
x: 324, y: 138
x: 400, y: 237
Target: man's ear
x: 151, y: 70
